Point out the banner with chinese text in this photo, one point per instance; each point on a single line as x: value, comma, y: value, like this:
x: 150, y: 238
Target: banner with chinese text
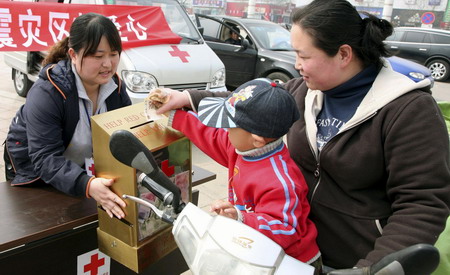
x: 26, y: 26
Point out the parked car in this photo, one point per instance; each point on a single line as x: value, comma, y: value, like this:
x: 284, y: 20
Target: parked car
x: 265, y: 49
x: 287, y: 26
x: 411, y: 69
x: 429, y: 47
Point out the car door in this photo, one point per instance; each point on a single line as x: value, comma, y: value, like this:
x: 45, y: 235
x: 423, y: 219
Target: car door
x: 415, y: 46
x: 393, y: 41
x: 409, y: 44
x: 239, y: 60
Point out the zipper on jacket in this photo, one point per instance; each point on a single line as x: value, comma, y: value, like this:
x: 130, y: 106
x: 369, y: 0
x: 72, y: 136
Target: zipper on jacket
x: 317, y: 176
x: 379, y: 227
x: 317, y: 170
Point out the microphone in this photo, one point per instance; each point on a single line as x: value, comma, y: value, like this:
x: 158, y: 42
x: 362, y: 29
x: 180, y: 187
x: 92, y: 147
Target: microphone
x: 129, y: 150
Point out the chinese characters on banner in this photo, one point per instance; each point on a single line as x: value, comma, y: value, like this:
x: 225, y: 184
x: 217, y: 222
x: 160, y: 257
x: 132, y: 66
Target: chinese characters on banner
x: 26, y: 26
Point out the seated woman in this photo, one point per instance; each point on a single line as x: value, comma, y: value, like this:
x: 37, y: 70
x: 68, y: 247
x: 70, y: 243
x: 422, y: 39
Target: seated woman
x: 49, y: 140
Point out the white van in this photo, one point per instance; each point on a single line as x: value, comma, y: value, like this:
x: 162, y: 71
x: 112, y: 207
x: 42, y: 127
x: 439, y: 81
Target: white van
x: 144, y: 68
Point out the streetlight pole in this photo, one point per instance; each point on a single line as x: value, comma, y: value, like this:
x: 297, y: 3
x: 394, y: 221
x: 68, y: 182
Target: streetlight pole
x: 251, y: 9
x: 387, y: 9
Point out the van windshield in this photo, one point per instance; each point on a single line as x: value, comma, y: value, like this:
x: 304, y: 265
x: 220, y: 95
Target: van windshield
x: 178, y: 20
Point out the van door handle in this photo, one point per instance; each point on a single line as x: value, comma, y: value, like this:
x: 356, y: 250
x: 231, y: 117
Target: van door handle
x: 423, y: 50
x: 394, y: 47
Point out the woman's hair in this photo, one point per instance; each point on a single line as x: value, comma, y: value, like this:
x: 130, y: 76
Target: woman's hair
x: 333, y: 23
x: 85, y: 33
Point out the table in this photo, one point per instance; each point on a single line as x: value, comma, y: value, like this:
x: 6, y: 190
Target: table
x: 42, y: 231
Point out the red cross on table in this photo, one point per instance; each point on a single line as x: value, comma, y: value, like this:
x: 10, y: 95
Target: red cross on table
x: 94, y: 265
x: 181, y: 54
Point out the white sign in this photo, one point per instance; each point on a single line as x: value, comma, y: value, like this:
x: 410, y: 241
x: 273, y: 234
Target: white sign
x: 93, y: 263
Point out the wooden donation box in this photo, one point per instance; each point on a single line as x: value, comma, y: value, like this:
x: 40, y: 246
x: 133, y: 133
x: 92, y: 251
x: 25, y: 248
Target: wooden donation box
x: 141, y: 238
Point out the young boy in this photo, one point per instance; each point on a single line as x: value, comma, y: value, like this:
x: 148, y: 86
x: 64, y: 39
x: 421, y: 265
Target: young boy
x: 266, y: 189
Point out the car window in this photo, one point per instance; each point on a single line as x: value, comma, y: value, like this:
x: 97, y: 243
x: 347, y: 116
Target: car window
x: 271, y: 36
x: 427, y: 38
x: 396, y: 35
x: 414, y: 37
x: 246, y: 36
x: 441, y: 39
x: 225, y: 33
x: 210, y: 27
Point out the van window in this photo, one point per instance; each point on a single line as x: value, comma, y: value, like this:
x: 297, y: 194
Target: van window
x: 441, y: 39
x: 176, y: 17
x: 414, y: 37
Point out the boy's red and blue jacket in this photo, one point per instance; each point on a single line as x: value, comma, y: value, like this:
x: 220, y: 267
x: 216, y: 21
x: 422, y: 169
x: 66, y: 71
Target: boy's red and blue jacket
x: 44, y: 126
x: 269, y: 189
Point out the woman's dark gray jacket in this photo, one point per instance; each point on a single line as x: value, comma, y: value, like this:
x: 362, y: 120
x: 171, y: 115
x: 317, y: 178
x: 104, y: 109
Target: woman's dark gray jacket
x: 43, y: 128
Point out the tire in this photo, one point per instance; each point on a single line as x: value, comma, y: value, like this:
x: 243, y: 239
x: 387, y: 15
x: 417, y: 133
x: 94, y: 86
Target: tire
x: 21, y: 83
x: 440, y: 69
x: 279, y: 77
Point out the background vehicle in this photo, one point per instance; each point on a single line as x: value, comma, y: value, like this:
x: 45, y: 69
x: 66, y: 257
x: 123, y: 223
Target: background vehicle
x: 429, y: 47
x: 411, y: 69
x: 148, y: 67
x: 265, y: 49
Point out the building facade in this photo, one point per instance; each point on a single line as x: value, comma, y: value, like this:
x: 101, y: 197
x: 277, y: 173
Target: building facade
x: 417, y: 13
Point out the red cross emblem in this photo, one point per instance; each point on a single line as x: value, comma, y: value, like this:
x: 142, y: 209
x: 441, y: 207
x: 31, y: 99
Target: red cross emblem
x: 94, y: 265
x: 168, y: 170
x: 181, y: 54
x: 92, y: 169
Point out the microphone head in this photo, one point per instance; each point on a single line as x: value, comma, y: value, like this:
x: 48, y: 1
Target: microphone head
x: 129, y: 150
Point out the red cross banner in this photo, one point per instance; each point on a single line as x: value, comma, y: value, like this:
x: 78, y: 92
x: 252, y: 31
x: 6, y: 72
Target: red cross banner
x: 36, y: 26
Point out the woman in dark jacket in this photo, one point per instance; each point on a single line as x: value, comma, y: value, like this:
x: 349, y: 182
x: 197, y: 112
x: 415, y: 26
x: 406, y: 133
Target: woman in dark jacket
x: 50, y: 140
x: 371, y: 143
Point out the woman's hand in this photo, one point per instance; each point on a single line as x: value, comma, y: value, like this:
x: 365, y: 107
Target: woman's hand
x: 177, y: 100
x: 113, y: 204
x: 225, y: 209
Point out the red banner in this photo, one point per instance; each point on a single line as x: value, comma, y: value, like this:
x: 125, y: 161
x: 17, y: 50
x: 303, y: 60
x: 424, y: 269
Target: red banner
x: 26, y: 26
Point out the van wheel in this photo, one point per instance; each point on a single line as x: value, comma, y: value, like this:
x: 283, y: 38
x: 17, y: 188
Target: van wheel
x: 21, y: 83
x: 279, y: 77
x: 440, y: 69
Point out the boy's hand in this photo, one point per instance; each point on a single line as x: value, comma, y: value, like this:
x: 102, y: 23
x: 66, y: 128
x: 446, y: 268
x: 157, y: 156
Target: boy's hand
x: 177, y: 100
x: 158, y: 97
x: 225, y: 209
